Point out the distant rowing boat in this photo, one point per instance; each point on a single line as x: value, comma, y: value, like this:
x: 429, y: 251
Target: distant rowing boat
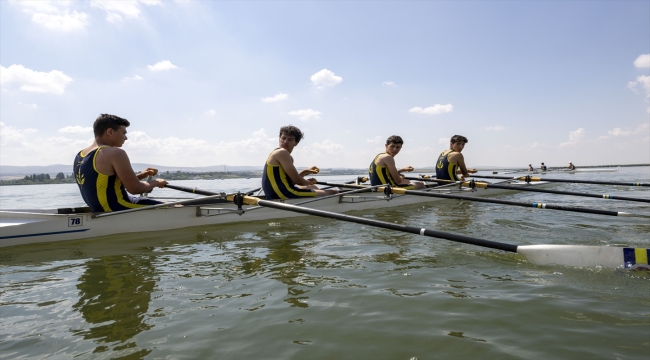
x: 590, y: 170
x: 579, y: 170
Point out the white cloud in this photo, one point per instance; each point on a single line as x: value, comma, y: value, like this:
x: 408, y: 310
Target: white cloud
x: 22, y: 147
x: 11, y: 134
x: 643, y: 61
x: 162, y: 66
x: 432, y: 110
x: 55, y: 15
x: 62, y: 22
x: 251, y: 151
x: 306, y: 114
x: 644, y: 82
x: 211, y: 112
x: 33, y: 106
x: 620, y: 132
x: 495, y: 128
x: 76, y: 130
x: 574, y: 137
x: 276, y: 98
x: 444, y: 140
x: 325, y: 78
x: 388, y: 83
x: 327, y: 146
x: 116, y: 9
x: 133, y: 78
x: 53, y: 82
x: 376, y: 140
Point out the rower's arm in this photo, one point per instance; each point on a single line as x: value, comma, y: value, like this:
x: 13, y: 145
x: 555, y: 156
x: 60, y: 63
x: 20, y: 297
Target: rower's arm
x: 459, y: 159
x: 286, y: 161
x: 122, y: 166
x: 405, y: 169
x: 389, y: 162
x: 146, y: 173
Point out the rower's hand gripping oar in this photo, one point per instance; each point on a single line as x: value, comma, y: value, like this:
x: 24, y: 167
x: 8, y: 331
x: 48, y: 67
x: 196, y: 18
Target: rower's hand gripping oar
x: 568, y: 255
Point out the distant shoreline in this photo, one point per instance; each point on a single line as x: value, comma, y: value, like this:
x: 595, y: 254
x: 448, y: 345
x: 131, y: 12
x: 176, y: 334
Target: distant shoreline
x: 217, y: 175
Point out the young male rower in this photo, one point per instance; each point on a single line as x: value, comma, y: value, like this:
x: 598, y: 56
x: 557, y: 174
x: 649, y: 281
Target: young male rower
x: 280, y: 179
x: 451, y: 162
x: 542, y: 167
x: 104, y: 173
x: 382, y: 169
x: 530, y: 167
x: 571, y: 166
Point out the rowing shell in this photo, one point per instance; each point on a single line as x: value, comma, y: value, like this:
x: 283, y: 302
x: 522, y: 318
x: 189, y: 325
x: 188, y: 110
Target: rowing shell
x: 25, y: 227
x: 20, y: 227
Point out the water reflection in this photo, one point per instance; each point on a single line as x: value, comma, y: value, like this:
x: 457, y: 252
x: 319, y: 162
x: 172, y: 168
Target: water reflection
x: 114, y: 296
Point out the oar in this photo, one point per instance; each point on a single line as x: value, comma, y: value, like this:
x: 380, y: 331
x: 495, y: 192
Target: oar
x: 215, y: 197
x: 201, y: 192
x: 396, y: 190
x: 358, y: 180
x: 568, y: 255
x: 534, y: 189
x: 523, y: 178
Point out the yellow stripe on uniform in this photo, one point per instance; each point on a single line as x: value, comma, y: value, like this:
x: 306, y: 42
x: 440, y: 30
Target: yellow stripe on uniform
x: 274, y: 183
x: 120, y: 197
x: 641, y: 256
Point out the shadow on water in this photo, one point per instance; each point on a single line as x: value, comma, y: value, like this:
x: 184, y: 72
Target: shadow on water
x: 114, y: 296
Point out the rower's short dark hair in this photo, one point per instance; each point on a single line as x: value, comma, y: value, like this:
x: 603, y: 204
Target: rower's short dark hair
x: 107, y: 121
x: 293, y: 131
x: 394, y: 139
x: 458, y: 138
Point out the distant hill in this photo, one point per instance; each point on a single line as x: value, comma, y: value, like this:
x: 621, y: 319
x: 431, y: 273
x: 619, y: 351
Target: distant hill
x: 9, y: 170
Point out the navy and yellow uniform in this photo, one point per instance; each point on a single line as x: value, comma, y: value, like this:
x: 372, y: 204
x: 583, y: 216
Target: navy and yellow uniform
x: 379, y: 175
x: 444, y: 169
x: 277, y: 185
x: 103, y: 193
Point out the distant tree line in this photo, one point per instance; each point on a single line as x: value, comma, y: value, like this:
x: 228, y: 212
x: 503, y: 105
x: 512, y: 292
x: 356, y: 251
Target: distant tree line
x: 62, y: 178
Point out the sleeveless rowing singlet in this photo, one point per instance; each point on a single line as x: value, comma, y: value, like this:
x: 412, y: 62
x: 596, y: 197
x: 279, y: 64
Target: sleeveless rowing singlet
x: 380, y: 175
x: 277, y: 185
x: 103, y: 193
x: 444, y: 169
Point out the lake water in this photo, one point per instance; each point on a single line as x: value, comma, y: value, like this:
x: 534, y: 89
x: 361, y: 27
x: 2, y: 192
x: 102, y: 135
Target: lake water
x: 312, y: 288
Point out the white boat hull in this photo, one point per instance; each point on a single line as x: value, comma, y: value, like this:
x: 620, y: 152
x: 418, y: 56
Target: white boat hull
x: 21, y: 227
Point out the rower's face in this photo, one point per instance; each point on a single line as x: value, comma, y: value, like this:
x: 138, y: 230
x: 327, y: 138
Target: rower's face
x: 393, y: 149
x: 117, y: 137
x: 287, y: 142
x: 457, y: 146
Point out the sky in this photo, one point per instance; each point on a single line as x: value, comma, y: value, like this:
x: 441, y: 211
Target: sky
x: 207, y: 83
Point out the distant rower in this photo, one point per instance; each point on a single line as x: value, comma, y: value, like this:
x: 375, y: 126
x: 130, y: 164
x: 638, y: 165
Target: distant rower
x: 280, y: 179
x: 383, y: 170
x: 104, y: 173
x: 530, y: 167
x: 571, y: 166
x: 451, y: 162
x: 542, y: 167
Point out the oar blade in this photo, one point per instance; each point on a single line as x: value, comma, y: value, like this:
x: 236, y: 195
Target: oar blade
x: 587, y: 256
